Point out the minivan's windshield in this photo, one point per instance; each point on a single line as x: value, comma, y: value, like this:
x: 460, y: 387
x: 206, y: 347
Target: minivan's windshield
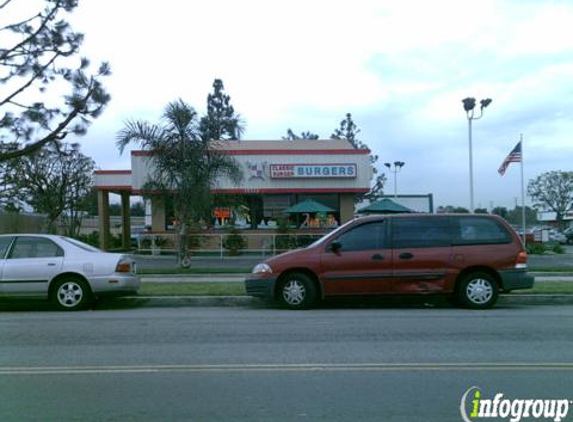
x: 332, y: 234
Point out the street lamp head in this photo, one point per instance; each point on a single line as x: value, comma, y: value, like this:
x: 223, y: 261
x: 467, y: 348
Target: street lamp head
x: 485, y: 103
x: 399, y: 164
x: 388, y: 165
x: 470, y: 103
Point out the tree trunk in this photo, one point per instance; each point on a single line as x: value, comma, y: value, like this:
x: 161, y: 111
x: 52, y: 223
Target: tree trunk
x: 181, y: 242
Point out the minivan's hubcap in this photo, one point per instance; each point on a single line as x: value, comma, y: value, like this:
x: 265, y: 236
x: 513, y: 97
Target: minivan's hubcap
x: 70, y: 294
x: 480, y: 291
x: 294, y: 292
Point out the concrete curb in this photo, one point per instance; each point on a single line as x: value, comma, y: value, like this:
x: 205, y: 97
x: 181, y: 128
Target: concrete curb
x: 536, y: 299
x: 247, y: 301
x: 182, y: 301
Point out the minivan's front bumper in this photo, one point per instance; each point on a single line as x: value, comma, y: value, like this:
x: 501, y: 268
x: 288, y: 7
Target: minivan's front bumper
x: 516, y: 279
x: 260, y: 287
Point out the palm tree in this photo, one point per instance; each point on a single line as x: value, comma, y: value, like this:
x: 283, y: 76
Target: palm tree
x: 186, y: 164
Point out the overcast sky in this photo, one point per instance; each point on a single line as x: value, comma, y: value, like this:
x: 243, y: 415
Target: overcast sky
x: 400, y: 67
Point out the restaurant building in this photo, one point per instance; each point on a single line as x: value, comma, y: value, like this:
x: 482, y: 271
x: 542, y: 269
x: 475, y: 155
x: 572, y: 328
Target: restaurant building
x: 277, y: 175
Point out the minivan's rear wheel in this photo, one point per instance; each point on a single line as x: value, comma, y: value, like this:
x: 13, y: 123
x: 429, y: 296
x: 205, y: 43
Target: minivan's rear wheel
x: 478, y: 291
x: 297, y: 291
x: 71, y: 294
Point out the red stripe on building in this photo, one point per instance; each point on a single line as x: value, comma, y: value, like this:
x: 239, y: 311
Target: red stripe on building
x: 266, y: 191
x: 114, y: 188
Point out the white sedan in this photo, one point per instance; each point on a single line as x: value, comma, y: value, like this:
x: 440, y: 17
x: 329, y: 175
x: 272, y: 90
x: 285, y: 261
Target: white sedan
x: 68, y: 272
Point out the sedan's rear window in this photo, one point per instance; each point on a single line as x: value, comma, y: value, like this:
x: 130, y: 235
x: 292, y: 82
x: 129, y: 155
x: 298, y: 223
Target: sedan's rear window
x: 81, y: 245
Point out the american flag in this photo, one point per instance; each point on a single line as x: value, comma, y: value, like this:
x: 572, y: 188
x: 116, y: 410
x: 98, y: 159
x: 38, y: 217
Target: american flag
x: 513, y: 157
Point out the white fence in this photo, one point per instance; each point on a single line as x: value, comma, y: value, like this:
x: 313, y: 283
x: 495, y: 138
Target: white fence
x: 226, y: 244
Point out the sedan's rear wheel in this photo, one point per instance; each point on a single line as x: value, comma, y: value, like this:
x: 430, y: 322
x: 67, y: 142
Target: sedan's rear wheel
x: 297, y: 291
x: 71, y: 294
x: 478, y: 290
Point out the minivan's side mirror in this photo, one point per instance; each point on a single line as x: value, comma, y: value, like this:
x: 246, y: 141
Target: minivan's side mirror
x: 335, y: 246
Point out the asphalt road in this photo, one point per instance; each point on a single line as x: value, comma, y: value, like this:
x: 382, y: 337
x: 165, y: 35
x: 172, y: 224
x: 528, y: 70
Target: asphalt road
x: 244, y: 364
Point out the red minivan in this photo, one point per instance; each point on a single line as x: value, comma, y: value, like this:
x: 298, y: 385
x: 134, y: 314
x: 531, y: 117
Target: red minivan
x: 470, y: 257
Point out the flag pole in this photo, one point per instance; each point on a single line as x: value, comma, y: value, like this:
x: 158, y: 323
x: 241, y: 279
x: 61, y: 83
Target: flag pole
x: 522, y: 191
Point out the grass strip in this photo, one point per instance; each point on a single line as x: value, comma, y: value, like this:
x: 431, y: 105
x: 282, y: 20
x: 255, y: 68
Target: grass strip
x: 549, y: 287
x: 238, y: 289
x: 550, y: 269
x: 206, y: 270
x: 192, y: 289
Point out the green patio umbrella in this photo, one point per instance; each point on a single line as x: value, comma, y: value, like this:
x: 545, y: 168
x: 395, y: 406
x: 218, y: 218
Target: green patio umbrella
x: 384, y: 206
x: 308, y: 205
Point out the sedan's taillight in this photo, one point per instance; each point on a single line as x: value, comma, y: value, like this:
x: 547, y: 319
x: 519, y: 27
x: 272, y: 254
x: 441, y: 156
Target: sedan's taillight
x: 123, y: 266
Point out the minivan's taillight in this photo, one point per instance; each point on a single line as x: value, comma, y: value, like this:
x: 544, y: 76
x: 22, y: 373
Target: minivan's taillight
x: 521, y: 261
x: 123, y: 266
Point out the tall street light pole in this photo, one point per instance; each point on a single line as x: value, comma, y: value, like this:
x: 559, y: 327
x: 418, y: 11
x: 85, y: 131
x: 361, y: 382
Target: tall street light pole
x: 397, y: 167
x: 469, y: 107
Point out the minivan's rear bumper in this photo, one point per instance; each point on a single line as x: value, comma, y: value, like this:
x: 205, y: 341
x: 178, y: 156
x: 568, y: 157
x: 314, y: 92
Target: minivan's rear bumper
x: 516, y: 279
x: 260, y: 287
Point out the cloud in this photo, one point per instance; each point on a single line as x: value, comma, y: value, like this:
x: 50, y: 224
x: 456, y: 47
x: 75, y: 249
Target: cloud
x: 400, y: 67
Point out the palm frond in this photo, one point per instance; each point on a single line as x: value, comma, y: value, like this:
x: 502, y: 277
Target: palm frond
x: 147, y: 135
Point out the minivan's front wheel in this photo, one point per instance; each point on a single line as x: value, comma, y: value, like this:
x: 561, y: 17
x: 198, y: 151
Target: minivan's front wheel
x: 297, y: 291
x: 478, y: 291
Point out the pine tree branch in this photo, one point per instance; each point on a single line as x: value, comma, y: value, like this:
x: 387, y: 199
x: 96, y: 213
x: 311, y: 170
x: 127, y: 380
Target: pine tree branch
x: 29, y: 39
x: 56, y: 135
x: 2, y: 5
x: 30, y: 82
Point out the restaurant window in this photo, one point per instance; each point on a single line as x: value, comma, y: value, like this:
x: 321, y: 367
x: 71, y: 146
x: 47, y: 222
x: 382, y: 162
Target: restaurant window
x: 274, y: 205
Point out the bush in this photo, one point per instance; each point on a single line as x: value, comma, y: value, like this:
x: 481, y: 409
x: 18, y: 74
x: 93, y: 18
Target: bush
x: 557, y: 248
x: 195, y: 239
x: 542, y: 248
x: 284, y: 239
x: 234, y: 242
x: 90, y: 239
x: 115, y: 242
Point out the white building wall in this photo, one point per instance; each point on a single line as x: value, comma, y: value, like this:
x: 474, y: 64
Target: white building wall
x: 111, y: 179
x: 256, y: 159
x: 257, y: 176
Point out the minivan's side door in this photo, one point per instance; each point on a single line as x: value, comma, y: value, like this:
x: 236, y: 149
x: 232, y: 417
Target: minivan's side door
x: 358, y: 261
x: 32, y: 261
x: 421, y: 253
x: 5, y: 242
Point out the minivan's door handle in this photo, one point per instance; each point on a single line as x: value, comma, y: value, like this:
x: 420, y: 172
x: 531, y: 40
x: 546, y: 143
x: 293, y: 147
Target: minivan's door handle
x: 377, y: 257
x: 51, y: 264
x: 406, y: 255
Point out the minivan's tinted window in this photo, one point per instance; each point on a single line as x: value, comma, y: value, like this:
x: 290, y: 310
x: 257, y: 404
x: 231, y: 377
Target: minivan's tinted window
x: 479, y: 230
x: 416, y: 232
x: 364, y: 237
